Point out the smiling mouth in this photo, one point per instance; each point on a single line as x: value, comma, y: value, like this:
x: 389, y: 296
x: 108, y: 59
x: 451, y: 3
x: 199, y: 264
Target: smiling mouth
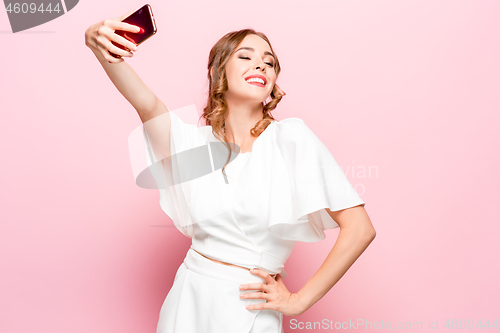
x: 257, y: 80
x: 256, y: 84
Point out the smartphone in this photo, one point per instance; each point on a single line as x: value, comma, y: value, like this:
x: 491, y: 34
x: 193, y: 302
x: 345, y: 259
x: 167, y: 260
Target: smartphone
x: 143, y: 18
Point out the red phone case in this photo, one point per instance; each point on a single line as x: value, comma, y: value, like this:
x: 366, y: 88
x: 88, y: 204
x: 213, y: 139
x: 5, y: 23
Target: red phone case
x: 143, y: 18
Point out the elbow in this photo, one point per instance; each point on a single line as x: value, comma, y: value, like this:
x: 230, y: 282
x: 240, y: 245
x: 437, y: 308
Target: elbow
x: 368, y: 229
x: 369, y: 234
x: 373, y: 234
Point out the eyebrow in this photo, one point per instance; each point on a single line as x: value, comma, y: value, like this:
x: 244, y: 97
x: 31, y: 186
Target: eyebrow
x: 253, y: 50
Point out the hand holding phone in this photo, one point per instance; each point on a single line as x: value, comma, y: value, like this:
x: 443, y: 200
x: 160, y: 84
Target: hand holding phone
x: 142, y: 18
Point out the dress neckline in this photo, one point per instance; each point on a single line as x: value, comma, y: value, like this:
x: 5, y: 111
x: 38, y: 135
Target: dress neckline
x: 261, y: 134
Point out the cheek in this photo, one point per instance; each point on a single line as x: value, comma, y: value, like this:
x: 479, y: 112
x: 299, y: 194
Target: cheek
x: 273, y: 82
x: 231, y: 76
x: 232, y: 81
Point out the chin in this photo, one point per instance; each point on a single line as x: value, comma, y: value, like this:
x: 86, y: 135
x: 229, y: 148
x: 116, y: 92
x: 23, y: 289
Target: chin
x: 254, y: 98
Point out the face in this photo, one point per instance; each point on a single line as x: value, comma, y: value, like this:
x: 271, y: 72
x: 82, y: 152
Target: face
x: 245, y: 63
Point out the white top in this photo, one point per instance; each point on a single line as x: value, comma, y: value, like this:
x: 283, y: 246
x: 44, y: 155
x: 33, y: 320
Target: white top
x: 274, y: 195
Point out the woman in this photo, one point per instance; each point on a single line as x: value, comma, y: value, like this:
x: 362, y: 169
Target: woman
x: 283, y: 186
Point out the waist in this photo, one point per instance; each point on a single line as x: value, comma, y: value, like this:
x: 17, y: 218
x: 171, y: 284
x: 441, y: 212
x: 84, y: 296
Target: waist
x: 228, y: 264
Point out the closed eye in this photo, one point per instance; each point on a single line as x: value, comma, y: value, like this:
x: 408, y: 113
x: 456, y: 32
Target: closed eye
x: 269, y: 63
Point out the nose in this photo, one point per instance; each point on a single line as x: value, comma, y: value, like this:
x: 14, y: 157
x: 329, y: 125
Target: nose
x: 261, y: 66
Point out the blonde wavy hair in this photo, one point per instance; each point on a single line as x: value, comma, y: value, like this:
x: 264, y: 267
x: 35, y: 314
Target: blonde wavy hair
x: 216, y: 110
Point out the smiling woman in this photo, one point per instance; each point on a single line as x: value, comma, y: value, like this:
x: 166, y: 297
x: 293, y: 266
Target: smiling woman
x: 286, y: 188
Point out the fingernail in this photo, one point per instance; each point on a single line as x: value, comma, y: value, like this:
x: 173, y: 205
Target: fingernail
x: 253, y: 270
x: 242, y: 287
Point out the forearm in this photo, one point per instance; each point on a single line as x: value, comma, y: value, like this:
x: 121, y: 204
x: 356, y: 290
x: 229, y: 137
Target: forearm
x: 129, y: 84
x: 350, y: 244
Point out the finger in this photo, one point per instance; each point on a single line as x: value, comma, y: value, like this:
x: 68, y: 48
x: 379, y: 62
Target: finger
x: 116, y: 62
x: 119, y: 61
x: 118, y: 25
x: 260, y: 306
x: 253, y: 286
x: 126, y: 26
x: 108, y: 56
x: 116, y: 50
x: 259, y: 286
x: 259, y: 272
x: 123, y: 41
x: 255, y: 295
x: 263, y: 274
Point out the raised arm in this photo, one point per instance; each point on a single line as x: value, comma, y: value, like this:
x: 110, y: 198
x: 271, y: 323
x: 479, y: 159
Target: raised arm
x: 98, y: 38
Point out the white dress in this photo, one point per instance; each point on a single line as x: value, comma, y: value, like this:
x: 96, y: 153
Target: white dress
x: 272, y: 197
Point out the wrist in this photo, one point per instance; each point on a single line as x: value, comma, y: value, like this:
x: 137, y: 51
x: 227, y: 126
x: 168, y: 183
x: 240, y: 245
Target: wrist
x: 305, y: 301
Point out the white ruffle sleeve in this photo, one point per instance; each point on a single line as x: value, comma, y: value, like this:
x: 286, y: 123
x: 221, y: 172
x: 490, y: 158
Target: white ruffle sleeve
x: 284, y: 187
x: 313, y: 181
x: 181, y: 166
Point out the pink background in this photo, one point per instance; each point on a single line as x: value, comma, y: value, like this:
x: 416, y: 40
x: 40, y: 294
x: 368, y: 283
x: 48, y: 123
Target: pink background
x: 409, y: 89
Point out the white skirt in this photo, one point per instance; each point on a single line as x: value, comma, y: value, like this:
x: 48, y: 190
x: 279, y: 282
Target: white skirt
x: 205, y: 297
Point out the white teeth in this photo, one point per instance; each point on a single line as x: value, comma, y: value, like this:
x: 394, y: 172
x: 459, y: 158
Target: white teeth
x: 256, y: 79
